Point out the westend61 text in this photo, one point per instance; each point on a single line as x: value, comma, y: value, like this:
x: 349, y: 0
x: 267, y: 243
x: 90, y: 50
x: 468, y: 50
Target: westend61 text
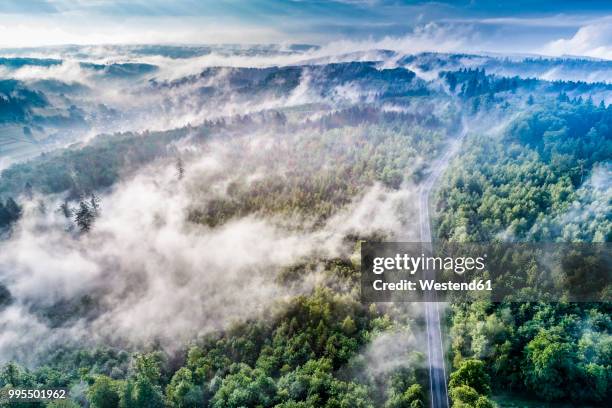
x: 428, y: 285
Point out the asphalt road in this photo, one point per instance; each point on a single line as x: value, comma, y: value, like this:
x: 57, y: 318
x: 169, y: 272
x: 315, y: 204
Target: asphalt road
x: 438, y: 386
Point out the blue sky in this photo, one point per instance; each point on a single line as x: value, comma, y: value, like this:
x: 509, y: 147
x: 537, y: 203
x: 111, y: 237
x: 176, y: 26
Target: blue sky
x: 538, y: 26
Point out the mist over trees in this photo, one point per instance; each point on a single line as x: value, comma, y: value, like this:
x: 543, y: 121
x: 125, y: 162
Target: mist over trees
x: 523, y: 185
x: 314, y: 151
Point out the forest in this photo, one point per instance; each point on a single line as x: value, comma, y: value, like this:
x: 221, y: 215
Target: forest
x: 322, y: 171
x: 524, y: 186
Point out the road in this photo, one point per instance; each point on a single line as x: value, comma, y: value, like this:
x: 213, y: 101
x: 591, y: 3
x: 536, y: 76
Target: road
x: 438, y: 387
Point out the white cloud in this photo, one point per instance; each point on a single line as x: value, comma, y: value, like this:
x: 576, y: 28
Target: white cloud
x: 591, y: 40
x: 69, y: 28
x: 428, y: 37
x: 159, y: 277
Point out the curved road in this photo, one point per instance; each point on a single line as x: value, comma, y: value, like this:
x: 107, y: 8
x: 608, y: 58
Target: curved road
x: 435, y: 346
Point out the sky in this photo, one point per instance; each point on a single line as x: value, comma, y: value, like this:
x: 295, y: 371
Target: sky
x: 559, y: 27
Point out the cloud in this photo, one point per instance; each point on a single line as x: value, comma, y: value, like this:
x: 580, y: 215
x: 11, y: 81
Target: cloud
x: 558, y: 20
x: 587, y: 218
x: 31, y: 31
x: 67, y: 71
x: 427, y: 37
x: 156, y: 277
x: 592, y: 40
x: 391, y: 350
x: 270, y: 21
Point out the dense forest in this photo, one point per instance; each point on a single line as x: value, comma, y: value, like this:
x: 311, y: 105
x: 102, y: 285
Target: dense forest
x: 541, y: 177
x: 525, y: 185
x: 308, y: 351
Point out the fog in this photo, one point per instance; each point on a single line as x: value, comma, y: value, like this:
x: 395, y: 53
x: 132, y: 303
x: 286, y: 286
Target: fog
x: 154, y: 276
x: 146, y: 274
x: 586, y: 217
x: 137, y: 88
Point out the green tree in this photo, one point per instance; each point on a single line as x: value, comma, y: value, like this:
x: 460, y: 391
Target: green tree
x: 103, y: 393
x: 472, y: 373
x: 84, y: 217
x: 143, y: 390
x: 484, y: 402
x: 146, y: 394
x: 550, y: 364
x: 464, y: 396
x: 10, y: 212
x: 413, y: 397
x: 14, y: 375
x: 182, y: 392
x: 245, y: 388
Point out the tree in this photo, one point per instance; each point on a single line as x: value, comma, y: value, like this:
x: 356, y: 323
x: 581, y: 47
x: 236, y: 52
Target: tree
x: 13, y: 209
x: 315, y: 385
x: 27, y: 190
x: 180, y: 169
x: 142, y: 389
x: 84, y: 217
x: 550, y: 364
x: 245, y: 388
x: 484, y: 402
x: 452, y: 81
x: 149, y: 366
x: 94, y: 205
x: 65, y: 209
x: 414, y: 394
x: 182, y: 392
x: 464, y: 396
x: 348, y: 325
x: 595, y: 381
x: 146, y: 394
x: 103, y: 393
x: 5, y: 296
x: 126, y: 399
x: 413, y: 397
x: 472, y: 373
x: 14, y: 375
x: 4, y: 216
x: 10, y: 212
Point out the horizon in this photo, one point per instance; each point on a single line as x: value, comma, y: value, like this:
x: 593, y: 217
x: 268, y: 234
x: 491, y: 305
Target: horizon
x: 311, y: 51
x: 581, y: 29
